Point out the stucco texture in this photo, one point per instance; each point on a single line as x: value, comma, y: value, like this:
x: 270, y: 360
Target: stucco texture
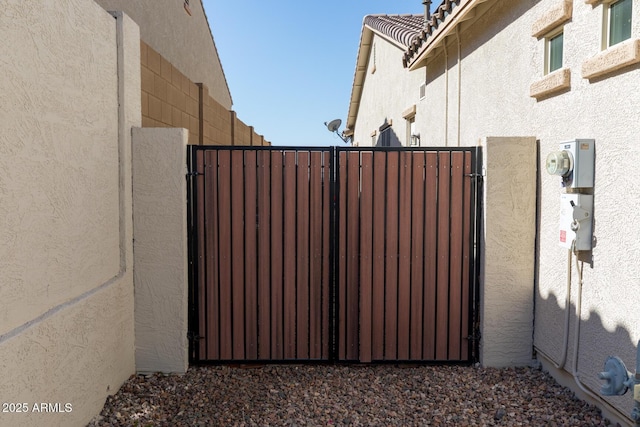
x: 507, y: 249
x: 387, y: 93
x: 160, y: 224
x: 66, y: 282
x: 499, y: 60
x: 184, y: 40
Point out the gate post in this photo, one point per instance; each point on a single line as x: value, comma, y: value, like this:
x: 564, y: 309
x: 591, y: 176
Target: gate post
x: 508, y: 251
x: 160, y: 249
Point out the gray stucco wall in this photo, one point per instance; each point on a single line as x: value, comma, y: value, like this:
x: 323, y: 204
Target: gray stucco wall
x: 70, y: 87
x: 500, y: 59
x: 160, y: 234
x: 184, y: 40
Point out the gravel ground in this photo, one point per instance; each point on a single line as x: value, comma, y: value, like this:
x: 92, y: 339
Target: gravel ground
x: 334, y: 395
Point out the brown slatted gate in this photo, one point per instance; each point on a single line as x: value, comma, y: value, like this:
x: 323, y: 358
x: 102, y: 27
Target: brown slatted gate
x: 405, y: 252
x: 332, y: 254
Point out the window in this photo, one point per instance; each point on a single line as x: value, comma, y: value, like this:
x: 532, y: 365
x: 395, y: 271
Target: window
x: 554, y: 47
x: 618, y: 22
x: 412, y: 136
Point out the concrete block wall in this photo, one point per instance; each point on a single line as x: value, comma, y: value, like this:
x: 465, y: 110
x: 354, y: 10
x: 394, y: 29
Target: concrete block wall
x: 170, y: 99
x: 217, y: 121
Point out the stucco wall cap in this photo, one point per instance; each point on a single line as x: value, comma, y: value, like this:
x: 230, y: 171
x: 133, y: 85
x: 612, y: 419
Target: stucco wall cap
x: 616, y: 57
x: 559, y: 14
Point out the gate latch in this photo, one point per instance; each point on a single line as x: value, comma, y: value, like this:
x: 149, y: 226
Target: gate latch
x: 192, y: 336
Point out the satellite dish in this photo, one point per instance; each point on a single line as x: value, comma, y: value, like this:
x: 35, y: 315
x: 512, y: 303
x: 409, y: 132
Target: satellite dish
x: 333, y: 125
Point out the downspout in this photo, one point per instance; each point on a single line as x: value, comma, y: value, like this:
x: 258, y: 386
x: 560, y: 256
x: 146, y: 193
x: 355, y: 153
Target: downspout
x: 459, y: 79
x: 446, y: 94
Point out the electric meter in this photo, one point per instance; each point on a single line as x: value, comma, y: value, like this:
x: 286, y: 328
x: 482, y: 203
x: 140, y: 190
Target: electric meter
x: 559, y: 163
x: 574, y: 162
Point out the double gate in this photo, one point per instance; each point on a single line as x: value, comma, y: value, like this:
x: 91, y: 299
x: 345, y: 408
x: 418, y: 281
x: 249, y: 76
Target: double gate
x: 342, y: 254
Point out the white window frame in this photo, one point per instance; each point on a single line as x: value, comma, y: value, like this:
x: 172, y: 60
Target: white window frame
x: 547, y: 49
x: 413, y: 139
x: 606, y: 23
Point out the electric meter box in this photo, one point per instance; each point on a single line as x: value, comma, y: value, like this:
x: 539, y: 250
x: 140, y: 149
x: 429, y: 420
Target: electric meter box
x: 582, y: 155
x: 576, y: 221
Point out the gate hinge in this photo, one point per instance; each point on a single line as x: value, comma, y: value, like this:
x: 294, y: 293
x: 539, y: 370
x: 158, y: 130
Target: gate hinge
x: 476, y: 336
x: 194, y: 173
x: 474, y: 175
x: 192, y: 336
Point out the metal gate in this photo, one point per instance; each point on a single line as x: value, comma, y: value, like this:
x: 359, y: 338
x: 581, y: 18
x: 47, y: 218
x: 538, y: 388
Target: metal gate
x: 344, y: 254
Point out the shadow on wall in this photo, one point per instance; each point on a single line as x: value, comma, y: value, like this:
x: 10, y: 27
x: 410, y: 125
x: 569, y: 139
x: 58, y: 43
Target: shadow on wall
x: 485, y: 28
x: 387, y: 136
x: 596, y: 343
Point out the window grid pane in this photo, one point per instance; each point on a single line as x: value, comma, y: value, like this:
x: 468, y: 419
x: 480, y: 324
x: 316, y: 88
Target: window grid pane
x: 555, y: 52
x: 619, y: 21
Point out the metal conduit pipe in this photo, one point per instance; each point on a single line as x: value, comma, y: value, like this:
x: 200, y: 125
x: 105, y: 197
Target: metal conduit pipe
x: 576, y: 346
x: 567, y: 319
x: 574, y: 368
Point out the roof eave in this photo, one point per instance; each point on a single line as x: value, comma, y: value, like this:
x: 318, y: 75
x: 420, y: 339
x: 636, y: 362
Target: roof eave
x: 465, y: 11
x: 362, y: 61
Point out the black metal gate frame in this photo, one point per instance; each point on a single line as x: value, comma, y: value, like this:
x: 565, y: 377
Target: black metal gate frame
x: 192, y: 209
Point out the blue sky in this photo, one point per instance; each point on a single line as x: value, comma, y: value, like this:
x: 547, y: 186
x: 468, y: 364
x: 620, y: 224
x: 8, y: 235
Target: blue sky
x: 290, y: 64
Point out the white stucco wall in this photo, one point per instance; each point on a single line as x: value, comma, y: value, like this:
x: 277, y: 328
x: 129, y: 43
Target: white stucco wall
x: 184, y: 40
x: 500, y: 59
x: 387, y: 93
x: 161, y: 273
x: 66, y: 282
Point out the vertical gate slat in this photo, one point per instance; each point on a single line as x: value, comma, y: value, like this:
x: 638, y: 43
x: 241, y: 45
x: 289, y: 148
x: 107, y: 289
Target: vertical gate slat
x: 455, y: 259
x: 342, y: 258
x: 417, y: 254
x: 404, y: 255
x: 277, y: 264
x: 237, y: 252
x: 366, y: 263
x: 353, y: 254
x: 264, y: 255
x: 391, y: 252
x: 442, y: 301
x: 302, y: 256
x: 251, y: 256
x: 224, y: 254
x: 378, y: 213
x: 289, y: 254
x: 315, y: 260
x: 326, y: 279
x: 206, y: 245
x: 466, y: 247
x: 430, y: 256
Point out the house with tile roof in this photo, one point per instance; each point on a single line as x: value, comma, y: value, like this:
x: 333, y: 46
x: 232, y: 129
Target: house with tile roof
x: 382, y: 109
x: 549, y: 71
